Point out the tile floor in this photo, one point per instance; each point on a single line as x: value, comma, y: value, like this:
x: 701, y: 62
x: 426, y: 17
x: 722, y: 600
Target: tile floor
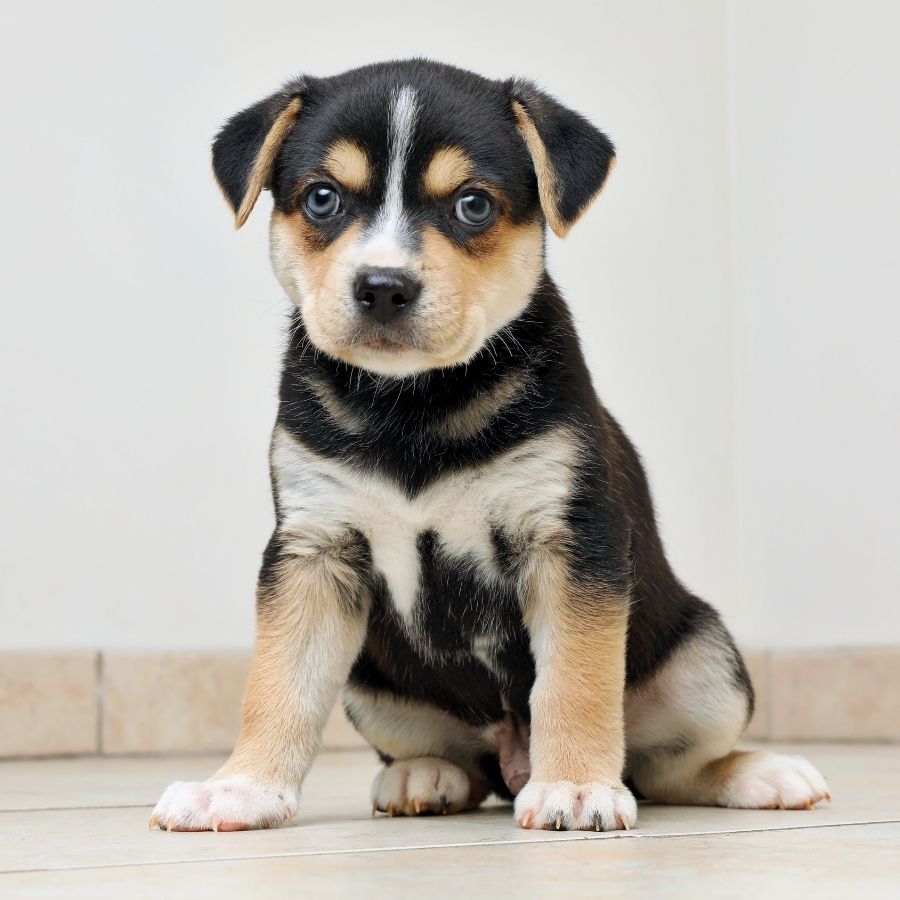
x: 78, y: 828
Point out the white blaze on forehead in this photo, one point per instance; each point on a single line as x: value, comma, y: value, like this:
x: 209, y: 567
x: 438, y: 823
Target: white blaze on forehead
x: 386, y: 237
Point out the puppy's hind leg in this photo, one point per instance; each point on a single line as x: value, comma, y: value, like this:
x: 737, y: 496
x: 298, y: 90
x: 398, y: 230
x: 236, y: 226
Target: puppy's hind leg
x: 432, y: 759
x: 682, y: 725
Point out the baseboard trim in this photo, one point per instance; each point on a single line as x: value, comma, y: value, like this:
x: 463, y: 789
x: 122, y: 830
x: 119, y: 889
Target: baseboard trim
x: 122, y: 702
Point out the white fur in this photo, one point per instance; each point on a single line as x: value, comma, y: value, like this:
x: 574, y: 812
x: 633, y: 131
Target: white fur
x: 386, y: 240
x: 692, y: 696
x: 523, y: 491
x: 426, y: 784
x: 234, y: 801
x: 773, y: 781
x: 405, y: 729
x: 596, y: 806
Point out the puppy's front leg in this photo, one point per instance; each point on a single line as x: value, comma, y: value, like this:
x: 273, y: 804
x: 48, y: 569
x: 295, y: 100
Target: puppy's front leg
x: 311, y: 616
x: 577, y: 723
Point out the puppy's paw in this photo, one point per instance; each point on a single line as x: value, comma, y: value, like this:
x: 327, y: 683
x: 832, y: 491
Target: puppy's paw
x: 595, y: 806
x: 236, y: 803
x: 425, y: 785
x: 771, y: 781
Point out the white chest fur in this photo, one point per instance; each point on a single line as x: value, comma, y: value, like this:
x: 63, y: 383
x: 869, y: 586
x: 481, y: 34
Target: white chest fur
x: 523, y: 492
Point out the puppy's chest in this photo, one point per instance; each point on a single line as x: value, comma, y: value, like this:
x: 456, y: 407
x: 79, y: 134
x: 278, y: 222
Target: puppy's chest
x: 436, y: 553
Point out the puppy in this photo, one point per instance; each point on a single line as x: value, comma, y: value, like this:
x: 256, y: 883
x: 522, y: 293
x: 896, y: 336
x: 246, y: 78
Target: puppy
x: 465, y: 541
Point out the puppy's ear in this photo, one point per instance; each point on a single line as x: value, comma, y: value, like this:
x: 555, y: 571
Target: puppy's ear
x: 244, y: 151
x: 571, y: 158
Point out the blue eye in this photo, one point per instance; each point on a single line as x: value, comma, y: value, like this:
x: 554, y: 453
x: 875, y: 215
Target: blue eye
x: 322, y: 201
x: 474, y: 209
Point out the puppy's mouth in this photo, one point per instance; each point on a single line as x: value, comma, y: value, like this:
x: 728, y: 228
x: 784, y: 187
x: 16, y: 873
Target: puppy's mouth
x: 386, y: 339
x: 384, y: 345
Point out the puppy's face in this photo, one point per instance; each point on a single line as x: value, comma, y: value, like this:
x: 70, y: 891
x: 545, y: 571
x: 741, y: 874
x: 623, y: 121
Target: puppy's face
x: 410, y: 202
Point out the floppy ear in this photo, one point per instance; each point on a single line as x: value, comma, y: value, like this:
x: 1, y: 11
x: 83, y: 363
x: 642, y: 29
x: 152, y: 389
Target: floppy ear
x: 244, y: 151
x: 571, y: 158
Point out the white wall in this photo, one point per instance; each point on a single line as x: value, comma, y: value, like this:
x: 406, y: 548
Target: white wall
x: 816, y: 224
x: 139, y: 335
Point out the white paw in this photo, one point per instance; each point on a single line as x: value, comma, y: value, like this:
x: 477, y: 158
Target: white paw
x: 770, y: 781
x: 413, y: 786
x: 235, y: 803
x: 596, y: 806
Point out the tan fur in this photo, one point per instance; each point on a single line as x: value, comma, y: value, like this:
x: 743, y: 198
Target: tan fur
x: 265, y: 159
x: 349, y: 165
x: 345, y: 418
x: 548, y: 190
x: 448, y: 169
x: 548, y: 187
x: 468, y: 295
x: 479, y: 290
x: 316, y: 278
x: 473, y: 418
x: 578, y: 633
x: 308, y: 634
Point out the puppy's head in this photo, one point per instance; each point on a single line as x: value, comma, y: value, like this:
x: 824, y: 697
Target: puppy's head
x: 410, y: 202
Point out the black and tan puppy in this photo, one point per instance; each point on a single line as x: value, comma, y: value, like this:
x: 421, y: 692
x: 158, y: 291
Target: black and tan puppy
x: 465, y: 541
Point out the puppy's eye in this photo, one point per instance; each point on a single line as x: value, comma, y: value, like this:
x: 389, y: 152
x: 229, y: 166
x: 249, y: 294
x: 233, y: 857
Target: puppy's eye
x: 475, y: 209
x: 322, y: 201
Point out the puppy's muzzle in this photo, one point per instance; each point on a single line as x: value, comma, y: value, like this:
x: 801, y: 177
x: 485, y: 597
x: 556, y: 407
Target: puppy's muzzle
x: 385, y: 294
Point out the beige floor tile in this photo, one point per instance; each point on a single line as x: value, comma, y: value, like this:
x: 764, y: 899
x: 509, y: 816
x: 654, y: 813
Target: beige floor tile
x: 839, y: 862
x: 172, y: 702
x: 94, y: 781
x: 836, y: 694
x: 48, y: 703
x: 335, y: 814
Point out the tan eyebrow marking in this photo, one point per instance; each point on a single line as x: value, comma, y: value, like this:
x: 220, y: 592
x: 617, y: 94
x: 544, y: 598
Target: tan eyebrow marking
x: 348, y: 164
x: 448, y: 169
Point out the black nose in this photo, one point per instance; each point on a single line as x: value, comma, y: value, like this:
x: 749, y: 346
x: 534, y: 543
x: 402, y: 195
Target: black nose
x: 384, y: 294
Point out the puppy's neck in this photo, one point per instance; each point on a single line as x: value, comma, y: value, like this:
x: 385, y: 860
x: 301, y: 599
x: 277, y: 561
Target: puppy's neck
x: 529, y: 379
x: 500, y: 372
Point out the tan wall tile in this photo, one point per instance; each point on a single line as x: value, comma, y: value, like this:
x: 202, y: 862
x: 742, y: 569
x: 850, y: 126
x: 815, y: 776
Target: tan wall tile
x: 758, y: 666
x: 184, y: 703
x: 172, y: 702
x: 48, y: 703
x: 190, y: 702
x: 836, y: 694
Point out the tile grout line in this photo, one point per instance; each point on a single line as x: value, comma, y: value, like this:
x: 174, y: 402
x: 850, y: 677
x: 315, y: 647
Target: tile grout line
x: 570, y: 838
x: 100, y: 689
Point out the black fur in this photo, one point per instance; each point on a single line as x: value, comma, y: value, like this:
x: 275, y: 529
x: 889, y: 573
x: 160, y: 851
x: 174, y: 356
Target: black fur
x: 615, y: 542
x: 580, y: 154
x: 238, y: 143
